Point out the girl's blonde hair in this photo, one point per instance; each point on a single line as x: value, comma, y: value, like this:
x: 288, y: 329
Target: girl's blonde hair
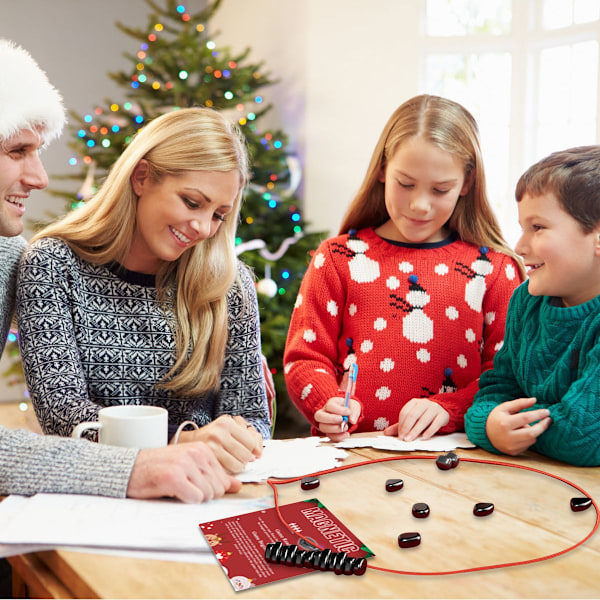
x: 452, y: 128
x: 192, y: 139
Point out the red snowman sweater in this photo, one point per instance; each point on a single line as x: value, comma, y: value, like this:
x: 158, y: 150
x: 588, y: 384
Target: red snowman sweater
x: 420, y: 320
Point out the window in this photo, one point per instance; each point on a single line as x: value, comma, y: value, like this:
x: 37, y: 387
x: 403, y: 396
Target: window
x: 526, y: 69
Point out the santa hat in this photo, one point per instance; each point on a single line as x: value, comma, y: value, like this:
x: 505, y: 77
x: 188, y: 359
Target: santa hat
x: 27, y: 98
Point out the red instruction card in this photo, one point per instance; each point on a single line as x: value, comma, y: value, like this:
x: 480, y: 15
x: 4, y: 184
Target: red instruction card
x: 239, y: 542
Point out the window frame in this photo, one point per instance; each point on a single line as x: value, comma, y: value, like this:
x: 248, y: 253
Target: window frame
x: 525, y: 43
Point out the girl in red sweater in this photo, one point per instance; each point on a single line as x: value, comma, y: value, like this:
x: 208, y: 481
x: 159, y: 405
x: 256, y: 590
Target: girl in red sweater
x: 414, y: 289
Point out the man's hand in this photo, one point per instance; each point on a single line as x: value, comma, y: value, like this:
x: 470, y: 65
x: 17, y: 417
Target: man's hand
x: 512, y: 429
x: 190, y: 472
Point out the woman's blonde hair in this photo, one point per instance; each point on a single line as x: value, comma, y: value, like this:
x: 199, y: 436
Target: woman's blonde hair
x: 452, y: 128
x: 192, y: 139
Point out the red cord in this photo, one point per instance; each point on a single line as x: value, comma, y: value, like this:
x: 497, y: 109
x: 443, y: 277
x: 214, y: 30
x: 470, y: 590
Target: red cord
x: 274, y: 483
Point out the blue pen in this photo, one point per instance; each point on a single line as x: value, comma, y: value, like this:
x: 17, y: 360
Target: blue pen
x: 352, y: 375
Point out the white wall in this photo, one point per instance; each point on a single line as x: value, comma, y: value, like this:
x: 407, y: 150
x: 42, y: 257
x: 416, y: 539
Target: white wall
x: 344, y: 66
x: 362, y: 64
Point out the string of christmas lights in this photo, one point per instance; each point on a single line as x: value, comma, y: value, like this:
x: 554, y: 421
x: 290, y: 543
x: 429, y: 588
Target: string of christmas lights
x: 175, y: 62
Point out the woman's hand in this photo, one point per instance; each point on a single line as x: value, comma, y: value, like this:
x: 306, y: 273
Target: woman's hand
x: 330, y: 418
x: 419, y: 417
x: 233, y: 440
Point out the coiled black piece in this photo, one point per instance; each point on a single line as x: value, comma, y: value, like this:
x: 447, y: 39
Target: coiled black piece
x: 322, y: 560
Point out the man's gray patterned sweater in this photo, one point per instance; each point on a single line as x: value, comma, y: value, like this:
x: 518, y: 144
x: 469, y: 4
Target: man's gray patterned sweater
x: 11, y: 250
x: 31, y: 463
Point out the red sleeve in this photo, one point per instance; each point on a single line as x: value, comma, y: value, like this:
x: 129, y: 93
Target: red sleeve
x: 311, y: 363
x: 495, y: 305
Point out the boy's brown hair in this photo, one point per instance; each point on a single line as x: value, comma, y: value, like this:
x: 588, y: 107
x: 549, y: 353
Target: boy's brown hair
x: 573, y: 177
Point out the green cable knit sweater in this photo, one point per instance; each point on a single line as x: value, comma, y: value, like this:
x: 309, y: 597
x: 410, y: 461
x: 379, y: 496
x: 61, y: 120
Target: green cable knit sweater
x: 551, y: 353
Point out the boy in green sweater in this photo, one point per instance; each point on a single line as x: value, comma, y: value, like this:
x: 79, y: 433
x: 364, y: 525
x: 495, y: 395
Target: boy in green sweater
x: 543, y: 392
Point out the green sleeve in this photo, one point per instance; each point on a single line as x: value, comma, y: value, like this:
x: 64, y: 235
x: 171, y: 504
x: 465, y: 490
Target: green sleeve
x: 498, y: 384
x: 574, y: 435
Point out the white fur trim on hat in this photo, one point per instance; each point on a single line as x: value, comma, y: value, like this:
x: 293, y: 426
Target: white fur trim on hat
x: 27, y: 98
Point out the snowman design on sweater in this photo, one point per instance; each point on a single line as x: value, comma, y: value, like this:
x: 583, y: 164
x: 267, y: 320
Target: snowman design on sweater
x: 416, y: 325
x: 362, y: 268
x: 447, y: 386
x: 419, y: 320
x: 476, y: 273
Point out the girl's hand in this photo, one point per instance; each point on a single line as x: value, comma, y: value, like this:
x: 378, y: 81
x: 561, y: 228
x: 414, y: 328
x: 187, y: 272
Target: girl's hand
x: 233, y: 440
x: 329, y: 418
x: 511, y: 429
x: 419, y: 417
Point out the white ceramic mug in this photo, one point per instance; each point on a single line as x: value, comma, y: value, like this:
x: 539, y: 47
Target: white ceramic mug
x: 132, y: 426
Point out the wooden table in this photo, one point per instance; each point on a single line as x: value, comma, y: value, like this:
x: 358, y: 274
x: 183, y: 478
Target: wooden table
x: 532, y: 518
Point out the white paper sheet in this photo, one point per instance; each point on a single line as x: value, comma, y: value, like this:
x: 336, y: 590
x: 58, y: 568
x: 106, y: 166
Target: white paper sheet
x: 292, y: 458
x: 95, y: 522
x: 438, y: 443
x: 199, y: 558
x: 14, y: 549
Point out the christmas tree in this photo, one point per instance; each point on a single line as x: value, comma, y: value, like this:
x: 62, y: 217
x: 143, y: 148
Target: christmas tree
x: 177, y: 64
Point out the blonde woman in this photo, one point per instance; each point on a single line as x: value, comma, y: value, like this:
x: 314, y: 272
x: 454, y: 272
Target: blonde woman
x: 138, y: 298
x: 414, y: 289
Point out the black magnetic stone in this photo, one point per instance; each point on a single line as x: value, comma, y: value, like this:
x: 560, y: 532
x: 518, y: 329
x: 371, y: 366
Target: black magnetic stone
x: 308, y: 558
x: 309, y: 483
x: 290, y: 556
x: 360, y: 566
x: 280, y: 556
x: 482, y: 509
x: 338, y: 565
x: 393, y: 485
x: 447, y: 461
x: 299, y: 560
x: 444, y: 462
x: 275, y: 549
x: 325, y: 554
x: 409, y: 539
x: 579, y: 504
x: 268, y: 552
x: 316, y: 560
x: 420, y: 510
x: 348, y: 566
x: 331, y: 561
x: 455, y: 459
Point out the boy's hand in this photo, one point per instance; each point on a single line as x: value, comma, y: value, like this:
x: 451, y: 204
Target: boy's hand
x: 418, y: 417
x: 329, y: 418
x: 512, y: 429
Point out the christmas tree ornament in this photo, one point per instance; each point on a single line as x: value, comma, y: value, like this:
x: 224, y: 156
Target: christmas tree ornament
x: 267, y: 287
x: 176, y: 63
